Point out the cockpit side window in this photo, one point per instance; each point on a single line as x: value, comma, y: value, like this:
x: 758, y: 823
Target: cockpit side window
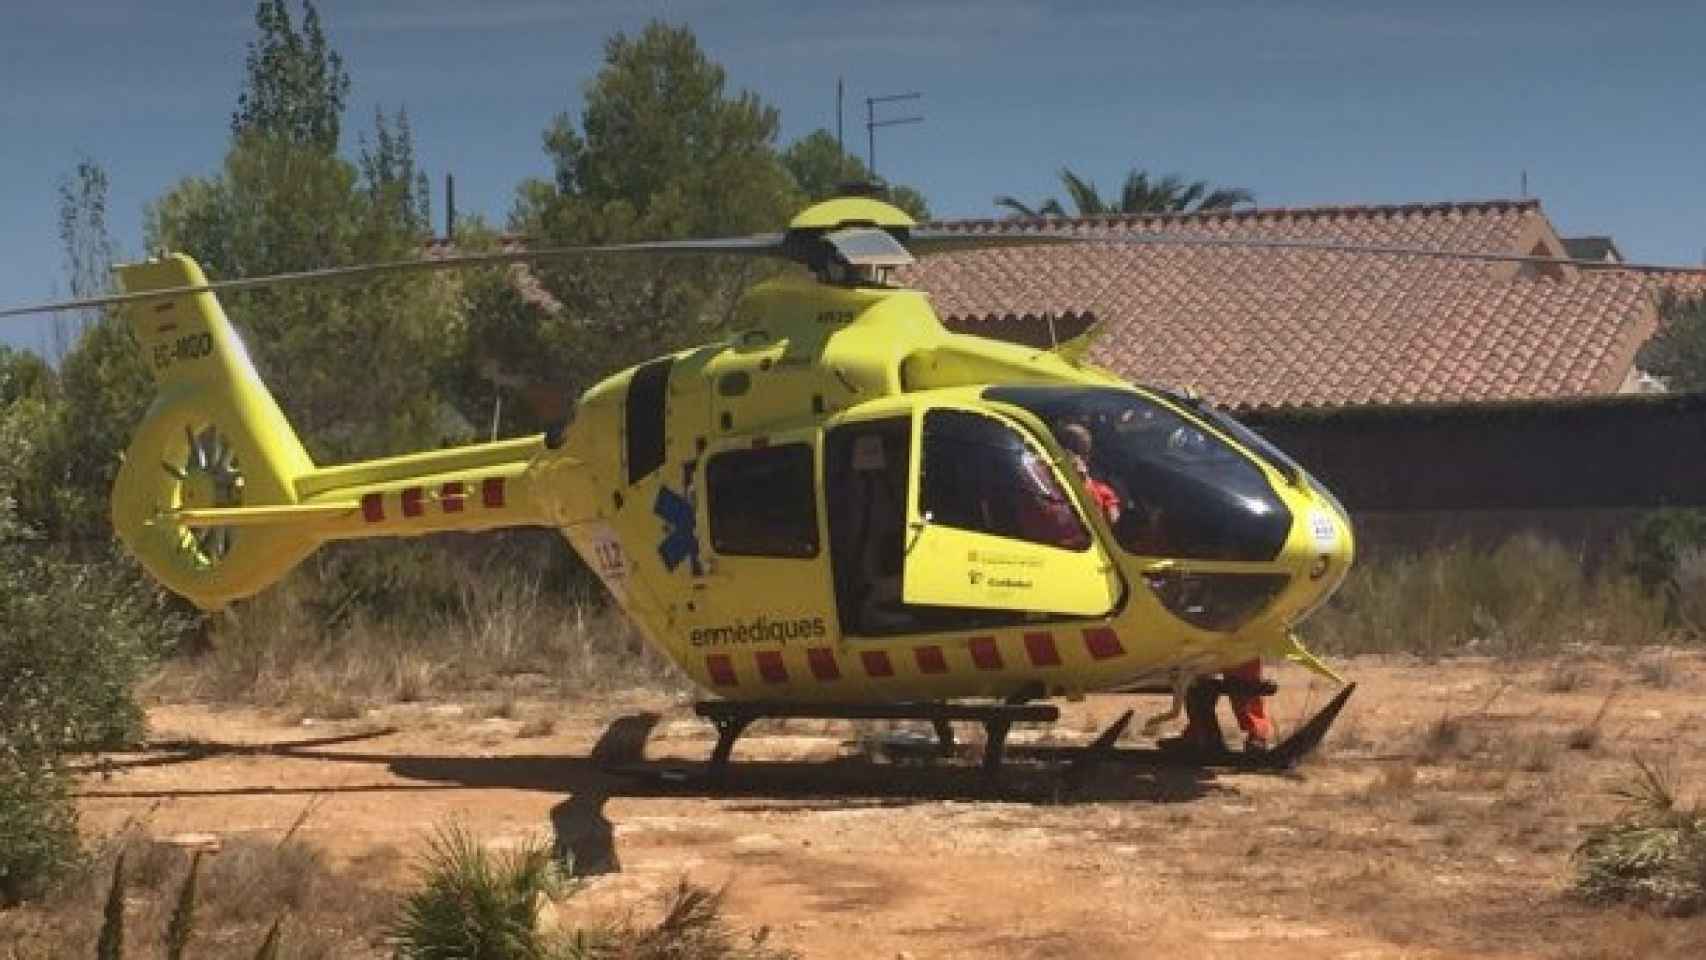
x: 1181, y: 489
x: 981, y: 475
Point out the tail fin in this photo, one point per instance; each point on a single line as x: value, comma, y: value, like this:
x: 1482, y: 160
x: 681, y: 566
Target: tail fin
x: 213, y: 438
x: 218, y: 498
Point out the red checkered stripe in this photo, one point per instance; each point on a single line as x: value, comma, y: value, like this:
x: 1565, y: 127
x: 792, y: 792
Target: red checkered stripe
x: 450, y: 497
x: 1039, y: 651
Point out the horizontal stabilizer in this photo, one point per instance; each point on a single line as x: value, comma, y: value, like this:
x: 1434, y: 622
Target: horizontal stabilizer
x: 259, y: 516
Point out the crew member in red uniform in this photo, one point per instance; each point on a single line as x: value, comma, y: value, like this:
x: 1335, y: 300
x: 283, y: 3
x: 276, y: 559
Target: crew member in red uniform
x: 1202, y: 731
x: 1075, y: 437
x: 1251, y: 710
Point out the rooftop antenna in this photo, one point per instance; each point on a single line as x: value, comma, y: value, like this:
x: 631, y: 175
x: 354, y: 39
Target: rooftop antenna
x: 872, y: 123
x: 1525, y: 184
x: 449, y: 207
x: 840, y: 147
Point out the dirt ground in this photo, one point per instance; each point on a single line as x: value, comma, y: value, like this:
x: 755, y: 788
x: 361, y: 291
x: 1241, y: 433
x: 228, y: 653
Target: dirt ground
x: 1437, y: 820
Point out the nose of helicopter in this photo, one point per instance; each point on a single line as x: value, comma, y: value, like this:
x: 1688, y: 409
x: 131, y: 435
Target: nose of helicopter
x: 1331, y: 548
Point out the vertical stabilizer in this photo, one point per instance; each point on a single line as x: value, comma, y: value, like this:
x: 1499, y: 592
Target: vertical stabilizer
x: 213, y: 438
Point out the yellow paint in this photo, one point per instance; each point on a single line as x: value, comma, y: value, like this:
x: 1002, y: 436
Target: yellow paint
x: 850, y: 210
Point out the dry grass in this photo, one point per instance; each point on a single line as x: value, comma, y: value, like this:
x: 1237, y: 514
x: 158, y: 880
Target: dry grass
x: 1690, y: 579
x: 538, y: 725
x: 1528, y: 597
x: 1588, y: 735
x: 1623, y: 936
x: 245, y: 887
x: 493, y: 636
x: 1565, y: 675
x: 1395, y: 781
x: 1656, y: 670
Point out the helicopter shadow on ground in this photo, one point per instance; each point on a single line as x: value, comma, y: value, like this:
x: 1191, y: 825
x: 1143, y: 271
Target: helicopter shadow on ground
x: 617, y: 767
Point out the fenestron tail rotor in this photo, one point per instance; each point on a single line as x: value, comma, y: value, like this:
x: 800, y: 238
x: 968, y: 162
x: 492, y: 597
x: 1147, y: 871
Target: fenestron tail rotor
x: 208, y: 477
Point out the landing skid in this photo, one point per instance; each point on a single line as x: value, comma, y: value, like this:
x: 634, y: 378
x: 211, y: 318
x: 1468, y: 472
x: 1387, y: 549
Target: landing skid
x: 731, y: 718
x: 1285, y: 756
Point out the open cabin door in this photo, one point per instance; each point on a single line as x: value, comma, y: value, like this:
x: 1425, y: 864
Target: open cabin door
x: 990, y: 524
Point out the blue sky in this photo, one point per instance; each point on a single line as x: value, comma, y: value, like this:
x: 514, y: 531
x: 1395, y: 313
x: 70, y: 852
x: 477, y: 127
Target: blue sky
x: 1307, y: 102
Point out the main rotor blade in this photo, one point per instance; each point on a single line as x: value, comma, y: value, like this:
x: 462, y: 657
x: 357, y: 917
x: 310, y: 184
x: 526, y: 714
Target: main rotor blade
x: 758, y: 245
x: 929, y: 243
x: 953, y: 241
x: 922, y: 242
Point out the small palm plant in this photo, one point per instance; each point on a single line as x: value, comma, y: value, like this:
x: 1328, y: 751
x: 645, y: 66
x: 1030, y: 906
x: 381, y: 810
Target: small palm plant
x: 473, y: 903
x: 1652, y: 854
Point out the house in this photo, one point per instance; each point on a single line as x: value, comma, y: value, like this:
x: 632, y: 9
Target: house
x: 1258, y: 328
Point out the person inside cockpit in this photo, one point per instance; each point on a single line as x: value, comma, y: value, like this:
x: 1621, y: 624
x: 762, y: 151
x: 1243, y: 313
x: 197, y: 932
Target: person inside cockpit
x: 1075, y: 437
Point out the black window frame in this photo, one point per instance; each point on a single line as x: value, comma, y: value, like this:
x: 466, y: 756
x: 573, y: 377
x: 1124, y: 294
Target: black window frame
x: 715, y: 478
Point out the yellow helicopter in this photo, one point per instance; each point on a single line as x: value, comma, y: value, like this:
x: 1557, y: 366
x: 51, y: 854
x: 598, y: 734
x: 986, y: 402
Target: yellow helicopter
x: 842, y: 510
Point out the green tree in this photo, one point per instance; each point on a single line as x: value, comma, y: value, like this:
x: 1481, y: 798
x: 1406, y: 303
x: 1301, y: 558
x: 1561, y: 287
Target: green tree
x: 819, y: 167
x: 397, y: 192
x: 354, y: 366
x: 24, y: 376
x: 1139, y: 194
x: 1677, y: 352
x: 79, y: 416
x: 661, y: 150
x: 294, y: 86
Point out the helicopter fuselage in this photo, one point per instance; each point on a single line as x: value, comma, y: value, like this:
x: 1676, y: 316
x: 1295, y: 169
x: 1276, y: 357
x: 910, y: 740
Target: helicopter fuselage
x: 847, y: 502
x: 843, y: 502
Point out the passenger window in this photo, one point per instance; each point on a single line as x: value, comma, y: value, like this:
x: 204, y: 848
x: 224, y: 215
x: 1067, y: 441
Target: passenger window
x: 981, y: 475
x: 762, y: 502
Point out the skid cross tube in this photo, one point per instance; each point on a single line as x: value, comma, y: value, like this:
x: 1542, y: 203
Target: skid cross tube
x: 1219, y: 686
x: 731, y: 718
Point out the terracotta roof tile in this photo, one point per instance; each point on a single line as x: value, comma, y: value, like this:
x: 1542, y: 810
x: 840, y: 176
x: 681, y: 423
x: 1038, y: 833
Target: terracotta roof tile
x: 526, y: 282
x: 1691, y: 284
x: 1251, y: 327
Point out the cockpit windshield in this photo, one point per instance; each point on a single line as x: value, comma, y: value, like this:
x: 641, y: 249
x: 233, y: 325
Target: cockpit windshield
x: 1182, y: 491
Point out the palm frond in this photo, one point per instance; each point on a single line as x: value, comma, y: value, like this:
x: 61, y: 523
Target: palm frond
x: 1083, y: 193
x: 1225, y: 198
x: 1015, y: 206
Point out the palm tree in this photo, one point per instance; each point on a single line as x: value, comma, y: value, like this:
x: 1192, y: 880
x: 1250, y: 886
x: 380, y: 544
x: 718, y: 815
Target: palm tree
x: 1140, y: 194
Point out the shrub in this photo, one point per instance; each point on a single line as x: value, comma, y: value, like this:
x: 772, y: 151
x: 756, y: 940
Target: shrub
x: 472, y: 903
x: 1528, y: 596
x: 38, y: 824
x: 1665, y: 551
x: 692, y: 928
x: 1653, y: 854
x: 73, y: 639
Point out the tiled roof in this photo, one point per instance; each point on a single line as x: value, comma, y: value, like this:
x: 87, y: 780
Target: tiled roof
x: 1252, y: 328
x: 526, y: 281
x: 1690, y: 284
